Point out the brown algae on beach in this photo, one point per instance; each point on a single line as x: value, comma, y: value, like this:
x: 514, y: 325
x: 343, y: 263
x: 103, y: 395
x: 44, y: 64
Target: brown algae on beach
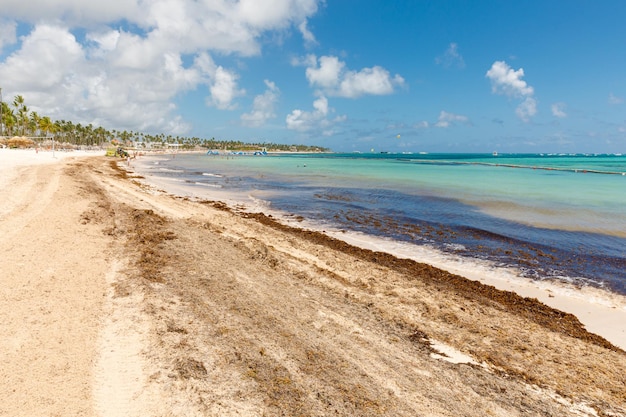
x: 238, y: 314
x: 288, y: 321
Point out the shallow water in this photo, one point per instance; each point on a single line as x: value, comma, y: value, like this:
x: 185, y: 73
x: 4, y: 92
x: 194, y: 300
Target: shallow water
x: 550, y: 216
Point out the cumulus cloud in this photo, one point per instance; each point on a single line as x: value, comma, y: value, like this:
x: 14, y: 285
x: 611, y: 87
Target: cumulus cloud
x: 316, y: 120
x: 331, y: 76
x: 46, y: 44
x: 224, y: 89
x: 451, y: 57
x: 263, y: 107
x: 558, y: 110
x: 449, y: 119
x: 7, y: 33
x: 526, y: 109
x: 123, y: 62
x: 74, y: 12
x: 508, y: 82
x: 374, y: 81
x: 272, y: 14
x: 326, y: 75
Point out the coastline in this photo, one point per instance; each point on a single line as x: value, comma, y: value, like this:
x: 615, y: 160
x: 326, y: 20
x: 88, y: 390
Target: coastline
x: 176, y: 304
x: 602, y: 312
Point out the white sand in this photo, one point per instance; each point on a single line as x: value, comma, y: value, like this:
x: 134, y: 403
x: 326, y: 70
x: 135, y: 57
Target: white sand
x: 18, y: 157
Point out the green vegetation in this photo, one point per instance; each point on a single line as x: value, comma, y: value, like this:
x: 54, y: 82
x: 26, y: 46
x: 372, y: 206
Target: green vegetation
x: 18, y: 120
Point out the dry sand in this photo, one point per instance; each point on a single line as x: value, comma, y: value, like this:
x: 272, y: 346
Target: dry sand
x: 119, y: 300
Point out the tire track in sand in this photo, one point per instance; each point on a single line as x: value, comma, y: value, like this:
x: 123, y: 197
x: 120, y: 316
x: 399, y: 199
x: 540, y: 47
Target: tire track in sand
x: 121, y: 385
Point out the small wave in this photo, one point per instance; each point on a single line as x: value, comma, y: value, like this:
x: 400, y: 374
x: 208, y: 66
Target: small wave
x: 259, y: 202
x: 455, y: 247
x: 208, y: 174
x: 548, y: 274
x: 208, y: 185
x: 168, y: 179
x: 170, y: 170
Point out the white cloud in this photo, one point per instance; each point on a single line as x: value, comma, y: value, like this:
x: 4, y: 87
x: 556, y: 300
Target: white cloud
x: 321, y: 106
x: 37, y: 66
x: 263, y: 107
x: 273, y: 14
x: 309, y: 60
x: 326, y: 75
x: 558, y: 110
x: 307, y: 35
x: 8, y: 34
x: 330, y: 75
x: 316, y: 120
x: 73, y: 12
x: 508, y: 82
x: 123, y: 62
x: 449, y: 119
x: 451, y: 57
x: 374, y: 81
x: 224, y: 89
x: 526, y: 109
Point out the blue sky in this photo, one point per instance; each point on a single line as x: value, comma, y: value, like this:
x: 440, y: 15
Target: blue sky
x: 352, y: 75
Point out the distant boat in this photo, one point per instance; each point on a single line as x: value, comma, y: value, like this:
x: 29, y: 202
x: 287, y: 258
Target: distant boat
x: 495, y: 153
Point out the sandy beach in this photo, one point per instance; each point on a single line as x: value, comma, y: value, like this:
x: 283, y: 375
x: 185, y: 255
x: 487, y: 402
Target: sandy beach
x: 118, y: 299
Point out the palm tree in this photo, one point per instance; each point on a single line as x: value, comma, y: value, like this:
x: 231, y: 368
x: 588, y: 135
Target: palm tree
x: 33, y: 124
x: 4, y: 112
x: 23, y: 112
x: 18, y: 103
x: 68, y: 130
x: 88, y: 135
x: 9, y: 120
x: 98, y: 136
x: 46, y: 125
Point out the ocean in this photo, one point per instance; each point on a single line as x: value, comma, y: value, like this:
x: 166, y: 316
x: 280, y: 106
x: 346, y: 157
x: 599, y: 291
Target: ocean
x: 547, y: 216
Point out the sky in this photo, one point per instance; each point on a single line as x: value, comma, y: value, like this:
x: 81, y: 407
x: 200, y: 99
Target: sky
x: 351, y: 75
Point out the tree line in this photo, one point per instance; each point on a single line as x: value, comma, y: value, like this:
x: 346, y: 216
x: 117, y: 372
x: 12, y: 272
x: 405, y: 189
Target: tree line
x: 18, y: 120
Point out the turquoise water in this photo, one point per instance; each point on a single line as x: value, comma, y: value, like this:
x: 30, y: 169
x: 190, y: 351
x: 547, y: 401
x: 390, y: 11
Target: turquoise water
x: 553, y: 216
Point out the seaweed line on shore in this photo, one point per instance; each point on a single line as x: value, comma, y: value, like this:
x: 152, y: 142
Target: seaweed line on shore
x: 530, y: 308
x: 149, y: 232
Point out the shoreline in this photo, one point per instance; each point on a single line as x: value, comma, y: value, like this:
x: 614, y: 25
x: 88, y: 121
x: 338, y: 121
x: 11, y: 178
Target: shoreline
x: 127, y: 300
x: 602, y: 311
